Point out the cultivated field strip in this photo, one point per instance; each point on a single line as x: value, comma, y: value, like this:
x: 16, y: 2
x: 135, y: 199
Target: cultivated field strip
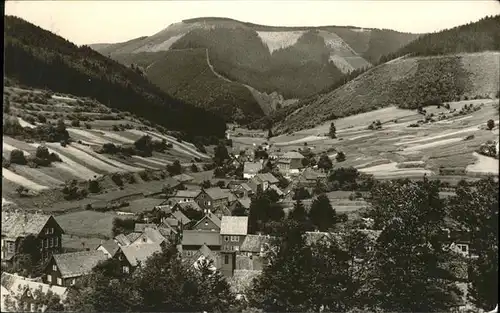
x: 37, y: 176
x: 20, y: 180
x: 116, y: 138
x: 89, y: 136
x: 151, y: 160
x: 102, y: 158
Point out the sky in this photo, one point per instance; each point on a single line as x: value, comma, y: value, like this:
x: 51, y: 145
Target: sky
x: 86, y: 22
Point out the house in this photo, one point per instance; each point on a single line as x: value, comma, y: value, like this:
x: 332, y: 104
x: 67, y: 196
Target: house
x: 309, y: 177
x: 26, y: 288
x: 193, y: 240
x: 17, y: 226
x: 209, y: 222
x: 214, y: 197
x: 183, y: 219
x: 183, y: 178
x: 243, y: 190
x: 185, y: 207
x: 183, y: 196
x: 149, y: 235
x: 290, y: 163
x: 109, y: 247
x: 204, y: 255
x: 66, y: 268
x: 122, y: 240
x: 241, y: 203
x: 252, y: 252
x: 250, y: 169
x: 233, y: 232
x: 132, y: 256
x: 263, y: 181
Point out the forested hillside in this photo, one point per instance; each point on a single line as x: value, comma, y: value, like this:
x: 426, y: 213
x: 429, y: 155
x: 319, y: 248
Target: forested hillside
x: 445, y: 66
x: 39, y: 58
x: 292, y: 62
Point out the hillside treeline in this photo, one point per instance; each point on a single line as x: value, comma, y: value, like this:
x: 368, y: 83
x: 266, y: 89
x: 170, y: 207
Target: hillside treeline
x: 483, y: 35
x: 38, y: 58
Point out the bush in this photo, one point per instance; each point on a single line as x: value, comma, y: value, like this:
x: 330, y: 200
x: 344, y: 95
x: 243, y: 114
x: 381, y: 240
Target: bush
x: 88, y: 126
x: 75, y: 123
x: 116, y: 128
x: 5, y: 163
x: 94, y: 186
x: 340, y: 157
x: 194, y: 168
x: 17, y: 157
x: 41, y: 118
x: 131, y: 179
x: 117, y: 179
x: 490, y: 124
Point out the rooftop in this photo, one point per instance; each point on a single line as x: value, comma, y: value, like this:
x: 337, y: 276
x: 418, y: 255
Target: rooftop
x: 254, y: 243
x: 212, y: 217
x: 187, y: 193
x: 234, y: 225
x: 252, y: 167
x: 16, y: 225
x: 292, y: 155
x: 178, y: 215
x: 140, y: 253
x: 111, y: 246
x: 200, y: 238
x: 217, y: 193
x: 183, y: 178
x: 78, y: 263
x: 267, y: 177
x: 13, y: 282
x: 185, y: 205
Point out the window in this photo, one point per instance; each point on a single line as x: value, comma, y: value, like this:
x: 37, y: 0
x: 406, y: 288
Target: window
x: 47, y: 230
x: 51, y: 242
x: 226, y: 259
x: 54, y: 268
x: 49, y: 278
x: 32, y: 307
x: 51, y: 230
x: 144, y: 239
x: 464, y: 248
x: 59, y: 281
x: 10, y: 246
x: 73, y: 281
x: 226, y: 238
x: 208, y: 202
x: 56, y: 242
x: 125, y: 269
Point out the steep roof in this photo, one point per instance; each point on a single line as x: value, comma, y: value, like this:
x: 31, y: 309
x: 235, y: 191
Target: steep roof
x: 187, y: 193
x: 278, y: 191
x: 234, y: 225
x: 254, y: 243
x: 133, y: 236
x: 252, y: 167
x: 267, y: 177
x: 139, y: 227
x: 246, y: 186
x: 200, y: 237
x: 245, y: 202
x: 16, y: 225
x: 185, y: 205
x: 178, y: 215
x: 217, y: 193
x: 183, y: 178
x: 111, y: 246
x: 78, y: 263
x: 139, y: 253
x: 212, y: 217
x: 122, y: 240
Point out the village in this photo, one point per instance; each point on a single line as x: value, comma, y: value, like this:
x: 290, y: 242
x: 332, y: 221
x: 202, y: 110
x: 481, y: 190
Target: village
x: 206, y: 223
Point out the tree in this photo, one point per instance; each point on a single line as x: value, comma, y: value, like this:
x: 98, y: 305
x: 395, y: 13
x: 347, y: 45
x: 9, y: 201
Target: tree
x: 475, y: 208
x: 174, y: 168
x: 269, y: 134
x: 17, y: 157
x: 94, y: 186
x: 28, y: 259
x: 411, y: 251
x: 220, y: 154
x: 42, y: 152
x: 216, y: 295
x: 322, y: 215
x: 490, y: 124
x: 287, y: 283
x: 340, y: 157
x: 47, y: 301
x: 325, y: 163
x: 298, y: 213
x: 221, y: 184
x: 122, y: 226
x: 263, y: 209
x: 194, y: 168
x: 301, y: 194
x: 206, y: 184
x: 333, y: 131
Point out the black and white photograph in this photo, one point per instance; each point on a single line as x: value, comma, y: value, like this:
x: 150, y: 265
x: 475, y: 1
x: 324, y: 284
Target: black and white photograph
x: 333, y: 156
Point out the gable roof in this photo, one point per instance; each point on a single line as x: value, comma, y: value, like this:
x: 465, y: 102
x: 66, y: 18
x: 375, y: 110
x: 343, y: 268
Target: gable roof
x: 139, y: 227
x: 122, y: 240
x: 154, y: 235
x: 246, y: 187
x: 133, y: 236
x: 178, y: 215
x: 200, y: 237
x: 217, y: 193
x: 78, y: 263
x: 267, y: 177
x: 234, y: 225
x: 212, y: 217
x: 187, y: 193
x: 183, y: 178
x: 292, y: 155
x: 140, y: 253
x: 252, y: 167
x: 254, y: 243
x: 245, y: 202
x: 110, y: 246
x: 16, y: 225
x: 184, y: 205
x: 278, y: 191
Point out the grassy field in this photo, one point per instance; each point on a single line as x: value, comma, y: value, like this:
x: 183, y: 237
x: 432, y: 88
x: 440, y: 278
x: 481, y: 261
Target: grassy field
x: 87, y: 224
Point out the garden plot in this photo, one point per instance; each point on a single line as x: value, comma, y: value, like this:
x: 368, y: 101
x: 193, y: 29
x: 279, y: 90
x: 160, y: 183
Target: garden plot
x: 88, y: 136
x: 152, y: 160
x: 300, y: 141
x: 483, y: 165
x: 69, y: 165
x: 87, y: 223
x: 118, y: 139
x: 392, y: 170
x: 20, y: 145
x: 461, y: 131
x: 20, y: 180
x: 37, y: 176
x: 64, y: 98
x: 89, y: 159
x: 433, y: 144
x: 102, y: 158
